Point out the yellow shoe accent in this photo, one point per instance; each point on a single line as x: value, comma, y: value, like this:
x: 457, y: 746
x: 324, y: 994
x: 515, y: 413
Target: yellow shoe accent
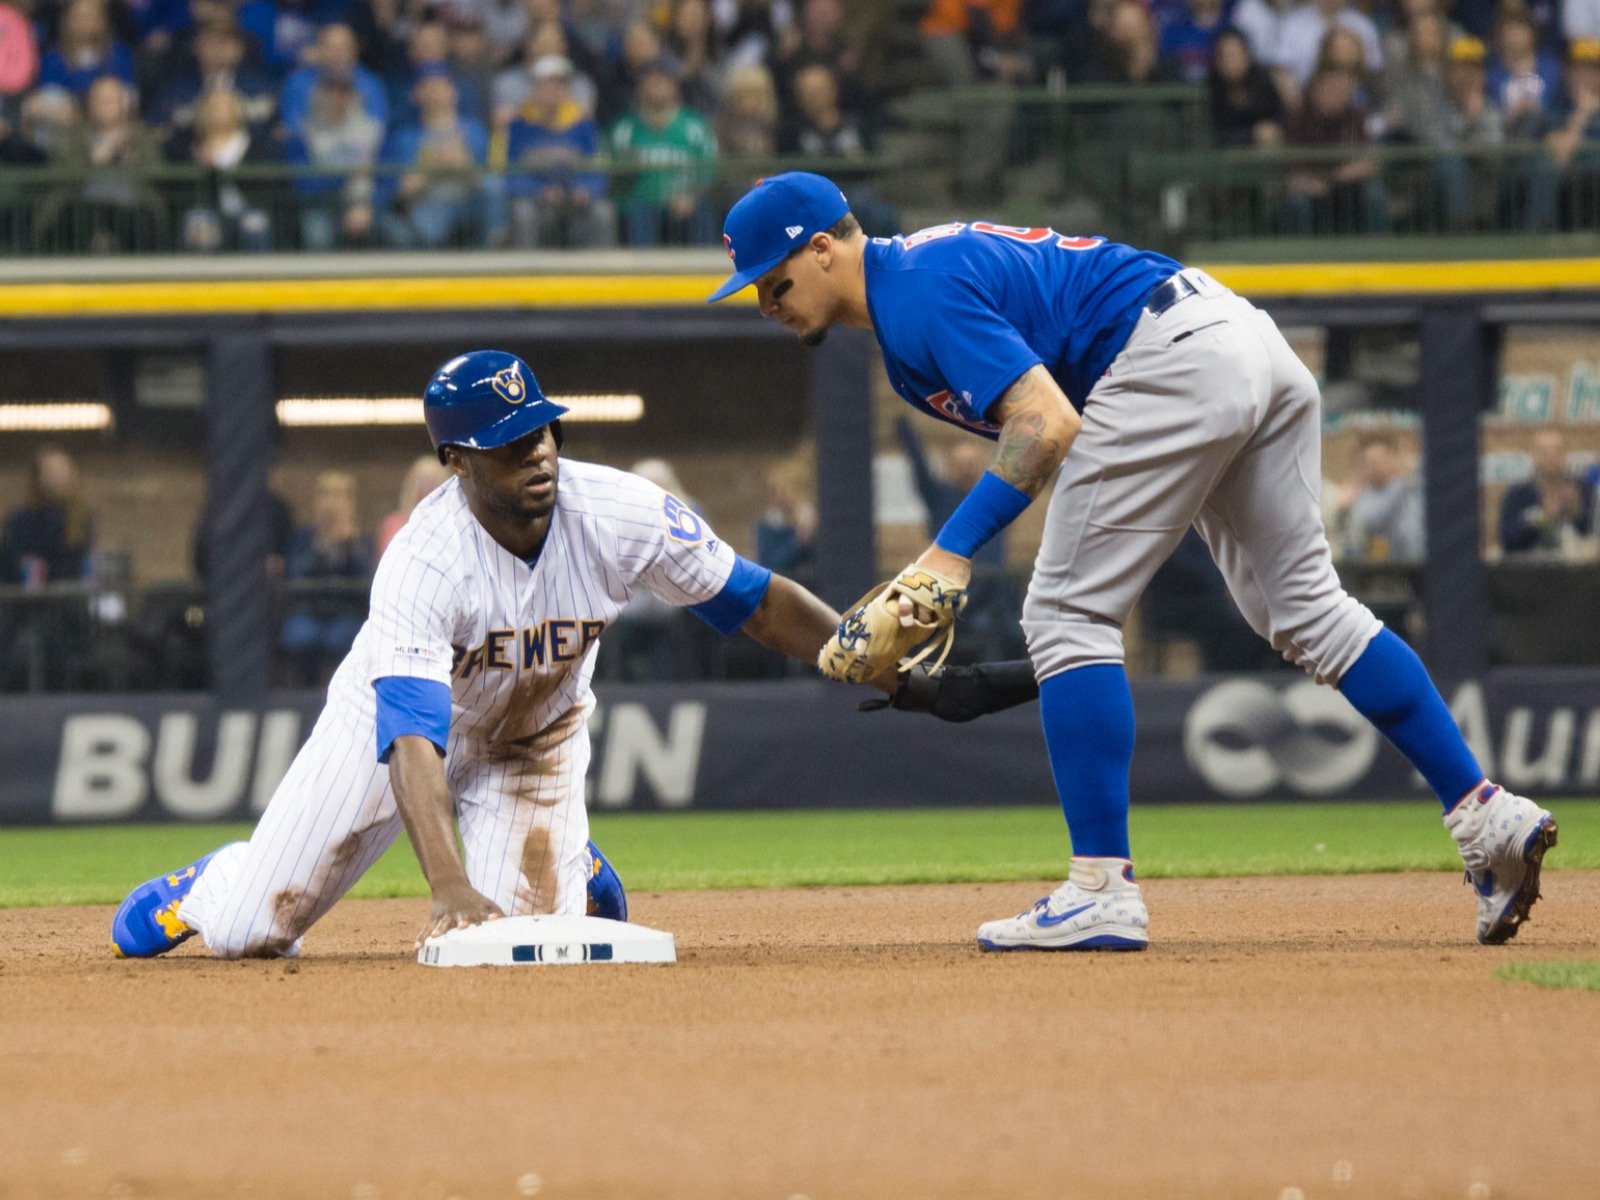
x: 171, y: 924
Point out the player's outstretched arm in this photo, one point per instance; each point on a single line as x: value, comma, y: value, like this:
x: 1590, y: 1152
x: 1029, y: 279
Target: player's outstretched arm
x: 417, y: 773
x: 1037, y: 427
x: 791, y: 620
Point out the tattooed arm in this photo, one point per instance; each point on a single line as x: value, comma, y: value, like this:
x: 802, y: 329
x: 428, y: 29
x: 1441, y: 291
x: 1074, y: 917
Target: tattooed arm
x: 1037, y: 427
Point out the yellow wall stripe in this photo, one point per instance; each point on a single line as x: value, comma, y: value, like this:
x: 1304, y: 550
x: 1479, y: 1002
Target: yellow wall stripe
x: 353, y: 295
x: 1406, y: 278
x: 647, y: 291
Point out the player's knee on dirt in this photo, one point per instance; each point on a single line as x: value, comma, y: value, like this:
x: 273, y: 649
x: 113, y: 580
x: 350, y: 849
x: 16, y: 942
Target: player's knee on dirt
x: 1061, y: 638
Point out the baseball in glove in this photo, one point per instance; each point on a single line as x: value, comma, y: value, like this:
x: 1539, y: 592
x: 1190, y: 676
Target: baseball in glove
x: 894, y: 627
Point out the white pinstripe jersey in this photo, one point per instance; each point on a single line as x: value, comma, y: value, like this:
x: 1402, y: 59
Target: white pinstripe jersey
x: 516, y: 642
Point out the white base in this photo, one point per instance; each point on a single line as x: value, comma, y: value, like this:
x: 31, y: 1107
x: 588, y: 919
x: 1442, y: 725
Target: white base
x: 547, y: 941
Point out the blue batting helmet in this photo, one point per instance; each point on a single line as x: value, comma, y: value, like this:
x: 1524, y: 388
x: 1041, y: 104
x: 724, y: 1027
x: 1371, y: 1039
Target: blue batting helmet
x: 484, y: 399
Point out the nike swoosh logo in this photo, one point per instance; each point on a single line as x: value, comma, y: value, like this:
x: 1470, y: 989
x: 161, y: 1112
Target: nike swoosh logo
x: 1047, y: 920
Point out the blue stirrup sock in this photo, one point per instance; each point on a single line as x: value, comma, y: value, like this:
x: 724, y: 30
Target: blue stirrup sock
x: 1088, y: 729
x: 1389, y: 686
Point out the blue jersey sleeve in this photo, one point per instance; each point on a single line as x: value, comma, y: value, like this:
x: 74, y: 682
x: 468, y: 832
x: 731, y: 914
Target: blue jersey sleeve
x: 410, y: 705
x: 963, y: 339
x: 731, y: 607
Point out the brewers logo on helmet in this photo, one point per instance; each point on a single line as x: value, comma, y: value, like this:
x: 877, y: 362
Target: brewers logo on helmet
x: 484, y: 399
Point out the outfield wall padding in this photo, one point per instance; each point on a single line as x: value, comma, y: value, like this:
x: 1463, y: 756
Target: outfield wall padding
x: 785, y: 745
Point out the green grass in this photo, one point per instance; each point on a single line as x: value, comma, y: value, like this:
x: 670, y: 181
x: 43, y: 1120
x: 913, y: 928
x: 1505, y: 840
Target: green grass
x: 97, y: 865
x: 1585, y: 976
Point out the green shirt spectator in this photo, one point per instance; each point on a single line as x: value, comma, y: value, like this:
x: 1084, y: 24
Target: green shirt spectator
x: 676, y: 151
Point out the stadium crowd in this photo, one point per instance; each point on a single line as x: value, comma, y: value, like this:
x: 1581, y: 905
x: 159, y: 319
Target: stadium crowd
x: 423, y: 123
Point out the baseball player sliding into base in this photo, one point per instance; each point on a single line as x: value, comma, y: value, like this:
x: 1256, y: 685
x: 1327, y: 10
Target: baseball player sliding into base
x: 1166, y: 401
x: 465, y: 698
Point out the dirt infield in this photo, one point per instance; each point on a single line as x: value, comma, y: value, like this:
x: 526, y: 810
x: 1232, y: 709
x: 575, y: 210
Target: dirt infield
x: 1340, y: 1036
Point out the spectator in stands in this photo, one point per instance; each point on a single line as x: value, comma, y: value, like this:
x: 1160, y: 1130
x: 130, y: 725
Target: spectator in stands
x: 85, y: 50
x: 974, y: 41
x: 819, y: 38
x: 619, y: 82
x: 747, y: 119
x: 1524, y: 81
x: 1423, y: 113
x: 1304, y: 28
x: 280, y: 526
x: 514, y: 85
x: 550, y: 151
x: 337, y: 56
x: 1475, y: 120
x: 45, y: 117
x: 787, y: 530
x: 287, y: 30
x: 1342, y: 50
x: 216, y: 64
x: 338, y: 135
x: 1379, y: 517
x: 1544, y: 514
x: 48, y: 539
x: 318, y: 630
x: 820, y: 127
x: 1187, y: 42
x: 17, y: 149
x: 690, y: 40
x: 1343, y: 196
x: 1395, y: 38
x: 428, y: 55
x: 596, y: 28
x: 470, y: 66
x: 114, y: 206
x: 443, y: 197
x: 1127, y: 51
x: 506, y: 25
x: 422, y: 477
x: 1246, y: 107
x: 1261, y: 22
x: 234, y: 214
x: 1572, y: 160
x: 675, y: 153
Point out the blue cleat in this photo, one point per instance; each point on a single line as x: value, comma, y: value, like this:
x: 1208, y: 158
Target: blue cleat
x: 606, y: 895
x: 147, y: 923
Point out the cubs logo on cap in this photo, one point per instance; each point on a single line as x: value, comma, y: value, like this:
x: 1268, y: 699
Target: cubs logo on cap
x: 775, y: 217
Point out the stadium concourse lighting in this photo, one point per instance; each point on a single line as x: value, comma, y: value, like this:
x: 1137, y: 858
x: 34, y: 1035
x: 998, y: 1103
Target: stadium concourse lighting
x: 322, y: 411
x: 68, y: 417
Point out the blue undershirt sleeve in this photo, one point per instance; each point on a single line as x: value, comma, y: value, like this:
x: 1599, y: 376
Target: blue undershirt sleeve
x: 408, y: 705
x: 731, y: 607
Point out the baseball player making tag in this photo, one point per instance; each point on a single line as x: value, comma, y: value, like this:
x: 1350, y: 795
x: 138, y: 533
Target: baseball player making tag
x: 1165, y: 401
x: 466, y: 693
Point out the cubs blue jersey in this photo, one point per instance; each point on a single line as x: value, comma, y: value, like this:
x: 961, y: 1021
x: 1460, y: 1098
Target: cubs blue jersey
x: 962, y: 311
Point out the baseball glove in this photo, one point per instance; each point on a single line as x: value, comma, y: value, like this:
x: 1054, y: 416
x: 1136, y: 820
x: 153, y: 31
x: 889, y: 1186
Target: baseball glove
x: 874, y: 640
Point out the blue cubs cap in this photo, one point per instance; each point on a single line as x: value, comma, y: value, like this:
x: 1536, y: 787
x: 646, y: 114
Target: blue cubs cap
x: 484, y: 399
x: 774, y: 218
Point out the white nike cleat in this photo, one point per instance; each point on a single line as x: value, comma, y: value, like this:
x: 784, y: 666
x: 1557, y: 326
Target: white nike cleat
x: 1503, y: 839
x: 1099, y: 907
